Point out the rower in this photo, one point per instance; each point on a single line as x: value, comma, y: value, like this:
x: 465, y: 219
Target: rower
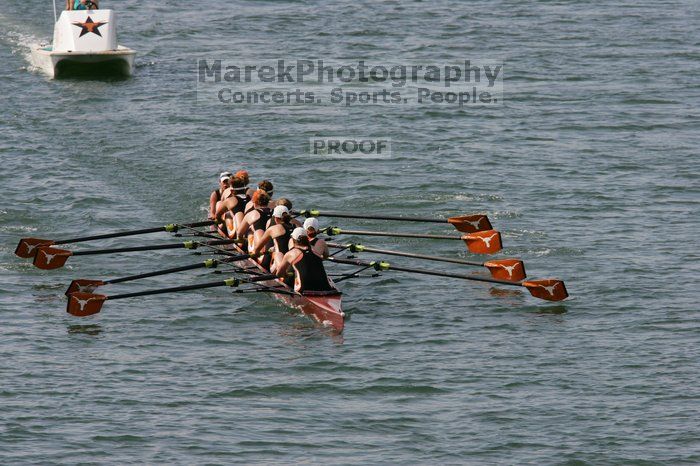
x: 264, y: 185
x: 310, y: 275
x: 288, y: 204
x: 317, y: 244
x: 253, y: 224
x: 243, y: 174
x: 279, y: 235
x: 230, y: 210
x: 217, y: 194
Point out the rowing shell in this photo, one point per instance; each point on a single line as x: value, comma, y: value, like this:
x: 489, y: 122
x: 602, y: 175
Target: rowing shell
x: 325, y: 307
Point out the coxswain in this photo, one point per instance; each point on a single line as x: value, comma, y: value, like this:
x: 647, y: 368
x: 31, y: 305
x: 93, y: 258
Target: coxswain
x: 278, y: 235
x: 217, y: 194
x: 317, y: 244
x: 253, y: 225
x: 230, y: 210
x: 309, y: 272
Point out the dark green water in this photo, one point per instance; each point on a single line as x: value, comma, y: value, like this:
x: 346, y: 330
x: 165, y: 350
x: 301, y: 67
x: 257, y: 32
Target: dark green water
x: 589, y: 168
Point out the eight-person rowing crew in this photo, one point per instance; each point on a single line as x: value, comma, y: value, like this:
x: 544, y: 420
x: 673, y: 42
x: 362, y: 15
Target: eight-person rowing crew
x: 278, y: 241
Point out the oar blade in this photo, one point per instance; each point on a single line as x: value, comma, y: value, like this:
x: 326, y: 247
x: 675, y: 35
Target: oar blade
x: 27, y: 247
x: 49, y: 258
x: 549, y: 289
x: 471, y: 223
x: 512, y: 270
x: 85, y: 304
x: 483, y: 242
x: 83, y: 285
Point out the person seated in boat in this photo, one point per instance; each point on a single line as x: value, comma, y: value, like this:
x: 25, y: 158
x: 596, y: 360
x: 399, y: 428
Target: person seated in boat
x: 217, y: 195
x: 309, y: 272
x: 230, y: 210
x: 288, y: 204
x: 252, y: 227
x: 278, y: 235
x: 317, y: 244
x: 82, y: 4
x: 266, y: 186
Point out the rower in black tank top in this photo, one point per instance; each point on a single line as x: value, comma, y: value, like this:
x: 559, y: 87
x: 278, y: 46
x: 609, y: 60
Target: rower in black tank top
x: 243, y: 200
x: 310, y: 272
x: 282, y: 242
x: 261, y: 222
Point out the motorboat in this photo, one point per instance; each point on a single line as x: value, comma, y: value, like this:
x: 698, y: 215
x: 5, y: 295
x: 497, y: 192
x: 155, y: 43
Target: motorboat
x: 84, y: 41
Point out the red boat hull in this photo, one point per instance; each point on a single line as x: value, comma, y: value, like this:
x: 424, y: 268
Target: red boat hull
x: 325, y: 308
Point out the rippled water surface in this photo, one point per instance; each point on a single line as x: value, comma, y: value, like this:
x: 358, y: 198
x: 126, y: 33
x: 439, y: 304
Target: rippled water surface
x: 590, y: 170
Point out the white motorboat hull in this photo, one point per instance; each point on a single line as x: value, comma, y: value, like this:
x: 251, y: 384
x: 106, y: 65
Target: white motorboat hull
x: 55, y: 64
x: 85, y: 42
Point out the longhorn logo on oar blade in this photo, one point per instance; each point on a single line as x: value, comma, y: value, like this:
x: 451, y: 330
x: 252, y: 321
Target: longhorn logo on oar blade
x: 49, y: 258
x: 549, y: 289
x: 483, y: 242
x: 84, y: 304
x: 512, y: 270
x: 82, y: 285
x: 471, y: 223
x: 26, y: 249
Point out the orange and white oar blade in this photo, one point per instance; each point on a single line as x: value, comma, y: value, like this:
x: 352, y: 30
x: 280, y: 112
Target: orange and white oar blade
x: 82, y: 285
x: 512, y: 270
x: 483, y: 242
x: 471, y: 223
x: 48, y: 258
x: 26, y: 249
x: 85, y: 304
x: 549, y: 289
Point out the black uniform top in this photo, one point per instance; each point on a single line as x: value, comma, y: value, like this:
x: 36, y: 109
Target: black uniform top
x: 311, y: 274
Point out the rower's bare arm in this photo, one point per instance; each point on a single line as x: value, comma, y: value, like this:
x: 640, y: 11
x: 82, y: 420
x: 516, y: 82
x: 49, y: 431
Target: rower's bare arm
x: 212, y: 205
x: 323, y: 249
x: 224, y: 206
x: 283, y: 267
x: 245, y: 225
x: 264, y: 239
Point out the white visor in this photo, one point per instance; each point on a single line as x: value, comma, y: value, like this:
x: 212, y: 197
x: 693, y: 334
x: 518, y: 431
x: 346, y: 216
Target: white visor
x: 299, y: 233
x: 311, y: 222
x: 279, y: 211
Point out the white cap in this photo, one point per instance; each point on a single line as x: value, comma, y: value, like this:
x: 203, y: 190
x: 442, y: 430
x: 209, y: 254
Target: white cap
x: 311, y: 222
x: 299, y: 233
x: 225, y: 176
x: 279, y: 211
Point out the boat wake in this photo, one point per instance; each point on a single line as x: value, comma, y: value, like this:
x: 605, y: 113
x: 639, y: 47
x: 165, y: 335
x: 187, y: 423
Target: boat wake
x: 20, y: 42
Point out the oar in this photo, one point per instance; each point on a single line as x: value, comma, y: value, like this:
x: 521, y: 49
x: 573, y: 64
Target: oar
x: 27, y: 247
x: 83, y: 285
x: 481, y: 242
x: 49, y: 258
x: 549, y: 289
x: 512, y: 270
x: 464, y: 223
x: 86, y: 304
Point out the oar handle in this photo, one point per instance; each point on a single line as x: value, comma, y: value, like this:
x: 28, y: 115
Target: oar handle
x: 171, y: 227
x: 156, y: 247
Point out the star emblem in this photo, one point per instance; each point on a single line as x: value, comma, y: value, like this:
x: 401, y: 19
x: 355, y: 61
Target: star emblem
x: 90, y: 26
